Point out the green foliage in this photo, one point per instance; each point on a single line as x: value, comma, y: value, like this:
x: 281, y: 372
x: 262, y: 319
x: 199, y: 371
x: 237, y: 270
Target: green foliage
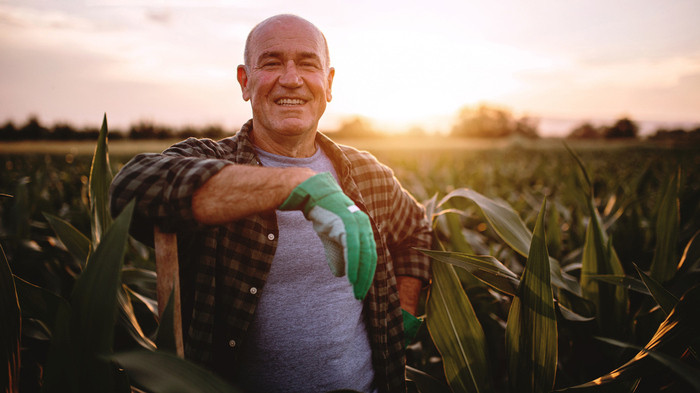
x: 159, y: 371
x: 542, y: 314
x: 599, y: 232
x: 664, y: 264
x: 103, y: 308
x: 531, y: 331
x: 457, y: 333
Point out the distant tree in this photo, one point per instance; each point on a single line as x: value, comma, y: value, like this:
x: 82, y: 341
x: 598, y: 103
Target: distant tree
x: 148, y: 130
x: 677, y: 135
x: 63, y: 131
x: 8, y: 132
x: 186, y: 132
x: 665, y: 134
x: 585, y: 131
x: 483, y: 122
x: 527, y: 126
x: 487, y: 121
x: 213, y: 131
x: 33, y: 130
x: 355, y: 127
x: 89, y: 133
x: 623, y: 128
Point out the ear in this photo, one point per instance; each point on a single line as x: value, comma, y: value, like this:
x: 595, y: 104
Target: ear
x: 331, y: 74
x: 242, y: 76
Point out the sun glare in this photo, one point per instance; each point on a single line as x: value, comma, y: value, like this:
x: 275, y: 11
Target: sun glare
x: 412, y: 77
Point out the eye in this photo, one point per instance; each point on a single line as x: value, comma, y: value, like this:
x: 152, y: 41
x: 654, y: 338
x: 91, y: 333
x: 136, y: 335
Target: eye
x: 270, y: 64
x: 309, y: 64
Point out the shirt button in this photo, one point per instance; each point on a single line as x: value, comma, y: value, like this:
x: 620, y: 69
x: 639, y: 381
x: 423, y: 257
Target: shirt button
x: 253, y: 290
x: 271, y: 236
x: 231, y: 343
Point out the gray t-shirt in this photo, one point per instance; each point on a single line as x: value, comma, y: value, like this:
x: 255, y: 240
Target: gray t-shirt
x: 308, y: 333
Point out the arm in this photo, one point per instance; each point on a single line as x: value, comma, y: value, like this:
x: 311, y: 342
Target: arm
x: 164, y: 186
x: 237, y: 191
x: 409, y: 292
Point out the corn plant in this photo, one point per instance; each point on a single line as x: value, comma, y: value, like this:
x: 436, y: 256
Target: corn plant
x: 81, y: 327
x: 544, y: 295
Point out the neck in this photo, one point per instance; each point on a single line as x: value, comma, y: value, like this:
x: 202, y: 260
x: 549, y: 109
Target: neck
x: 296, y: 146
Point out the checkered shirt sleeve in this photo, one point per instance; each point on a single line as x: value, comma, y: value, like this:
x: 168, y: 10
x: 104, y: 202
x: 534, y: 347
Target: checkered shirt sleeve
x: 163, y: 185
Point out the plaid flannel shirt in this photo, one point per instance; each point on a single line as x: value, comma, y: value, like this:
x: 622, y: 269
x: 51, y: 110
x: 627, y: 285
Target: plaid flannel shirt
x: 224, y: 268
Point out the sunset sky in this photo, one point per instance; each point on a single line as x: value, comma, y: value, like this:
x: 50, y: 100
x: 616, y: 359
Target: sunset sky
x: 399, y: 63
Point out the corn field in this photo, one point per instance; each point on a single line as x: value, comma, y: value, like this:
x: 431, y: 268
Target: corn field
x: 557, y: 268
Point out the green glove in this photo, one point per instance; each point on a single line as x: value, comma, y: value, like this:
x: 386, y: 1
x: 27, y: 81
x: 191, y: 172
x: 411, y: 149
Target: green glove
x: 345, y: 231
x: 411, y: 325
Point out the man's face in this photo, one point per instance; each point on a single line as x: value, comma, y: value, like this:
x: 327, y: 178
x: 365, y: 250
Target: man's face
x: 288, y: 80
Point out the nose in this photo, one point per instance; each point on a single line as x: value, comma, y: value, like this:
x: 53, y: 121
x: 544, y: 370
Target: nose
x: 290, y: 76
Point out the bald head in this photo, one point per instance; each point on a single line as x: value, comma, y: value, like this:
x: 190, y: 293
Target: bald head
x: 280, y: 21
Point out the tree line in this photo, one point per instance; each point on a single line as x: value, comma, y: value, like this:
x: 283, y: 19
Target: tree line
x: 483, y: 121
x: 33, y: 129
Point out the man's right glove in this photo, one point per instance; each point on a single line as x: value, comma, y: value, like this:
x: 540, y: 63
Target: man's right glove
x: 345, y: 231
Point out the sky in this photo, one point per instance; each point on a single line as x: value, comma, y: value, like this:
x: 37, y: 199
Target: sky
x: 399, y: 64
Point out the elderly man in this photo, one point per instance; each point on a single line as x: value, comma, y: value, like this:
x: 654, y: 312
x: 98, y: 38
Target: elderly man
x: 296, y: 253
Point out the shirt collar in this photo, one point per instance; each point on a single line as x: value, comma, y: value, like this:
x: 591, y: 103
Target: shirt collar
x: 245, y: 154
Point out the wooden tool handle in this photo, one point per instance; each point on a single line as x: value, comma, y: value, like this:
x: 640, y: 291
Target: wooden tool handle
x: 168, y: 281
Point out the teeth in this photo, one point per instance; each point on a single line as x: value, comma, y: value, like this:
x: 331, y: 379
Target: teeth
x: 290, y: 101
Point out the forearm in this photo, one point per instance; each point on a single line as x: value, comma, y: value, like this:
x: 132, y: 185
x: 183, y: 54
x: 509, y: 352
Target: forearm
x: 237, y: 191
x: 409, y: 292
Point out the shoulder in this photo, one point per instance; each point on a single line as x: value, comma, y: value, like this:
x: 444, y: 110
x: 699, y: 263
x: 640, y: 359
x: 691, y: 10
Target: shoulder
x: 206, y: 148
x: 362, y: 162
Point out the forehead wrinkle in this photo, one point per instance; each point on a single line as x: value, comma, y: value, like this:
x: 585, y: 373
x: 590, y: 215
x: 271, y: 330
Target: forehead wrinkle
x: 280, y: 54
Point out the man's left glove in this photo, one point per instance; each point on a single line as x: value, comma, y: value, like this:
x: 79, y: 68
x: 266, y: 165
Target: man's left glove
x: 345, y: 231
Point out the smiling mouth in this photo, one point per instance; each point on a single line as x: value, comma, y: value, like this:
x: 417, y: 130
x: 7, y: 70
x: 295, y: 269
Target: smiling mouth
x: 290, y: 101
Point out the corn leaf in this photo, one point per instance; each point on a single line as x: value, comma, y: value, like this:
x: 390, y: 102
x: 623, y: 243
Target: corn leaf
x: 425, y: 383
x: 682, y: 369
x: 628, y: 282
x: 149, y: 303
x: 158, y: 371
x: 512, y: 230
x: 691, y: 254
x: 39, y: 303
x: 666, y: 300
x: 554, y: 241
x: 459, y: 243
x: 128, y: 319
x: 664, y: 264
x: 457, y: 332
x: 86, y: 330
x: 672, y: 338
x: 100, y: 179
x: 165, y: 336
x: 531, y: 330
x: 76, y: 243
x: 484, y: 267
x: 58, y: 373
x: 501, y: 217
x: 143, y: 281
x: 599, y: 258
x: 10, y: 328
x: 454, y: 228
